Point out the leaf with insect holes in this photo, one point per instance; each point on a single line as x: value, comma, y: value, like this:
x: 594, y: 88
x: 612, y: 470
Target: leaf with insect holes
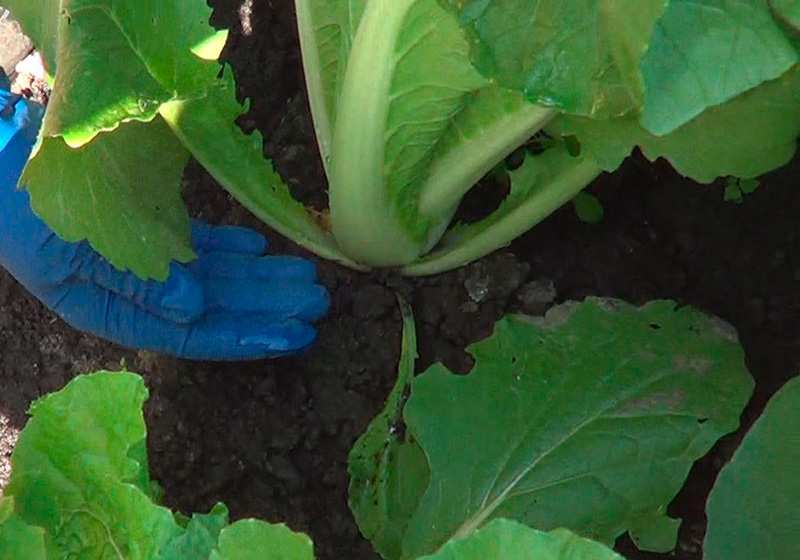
x: 588, y: 419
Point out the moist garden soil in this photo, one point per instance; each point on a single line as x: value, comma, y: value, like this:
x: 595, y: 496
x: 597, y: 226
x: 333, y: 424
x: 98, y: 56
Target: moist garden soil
x: 270, y: 438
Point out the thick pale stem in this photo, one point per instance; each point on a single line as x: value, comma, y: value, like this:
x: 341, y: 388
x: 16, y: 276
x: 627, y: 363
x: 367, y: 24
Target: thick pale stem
x: 361, y: 214
x: 544, y: 201
x: 452, y: 175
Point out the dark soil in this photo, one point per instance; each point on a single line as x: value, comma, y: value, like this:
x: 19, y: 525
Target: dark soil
x: 271, y: 438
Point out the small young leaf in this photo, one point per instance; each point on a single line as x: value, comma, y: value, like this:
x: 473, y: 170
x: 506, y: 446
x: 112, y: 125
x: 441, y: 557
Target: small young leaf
x: 503, y: 539
x: 588, y: 208
x: 588, y: 419
x: 753, y: 509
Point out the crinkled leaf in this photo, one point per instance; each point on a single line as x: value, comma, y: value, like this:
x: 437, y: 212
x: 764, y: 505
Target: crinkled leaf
x: 503, y: 539
x: 588, y: 419
x: 115, y: 60
x: 253, y: 539
x: 73, y: 474
x: 199, y: 538
x: 580, y: 56
x: 745, y: 137
x: 705, y: 53
x: 388, y: 471
x: 207, y: 127
x: 121, y: 192
x: 753, y: 508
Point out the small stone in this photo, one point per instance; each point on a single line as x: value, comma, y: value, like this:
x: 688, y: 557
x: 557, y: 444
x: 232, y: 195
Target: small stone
x: 477, y: 286
x: 537, y: 295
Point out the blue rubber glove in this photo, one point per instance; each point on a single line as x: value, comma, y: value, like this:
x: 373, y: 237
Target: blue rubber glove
x: 231, y: 303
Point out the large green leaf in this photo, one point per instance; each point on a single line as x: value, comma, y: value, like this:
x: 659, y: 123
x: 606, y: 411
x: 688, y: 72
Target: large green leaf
x: 706, y: 52
x: 253, y: 539
x: 748, y: 136
x: 121, y: 192
x: 207, y: 126
x: 587, y: 419
x: 503, y: 539
x: 580, y: 56
x: 753, y: 509
x: 388, y: 471
x: 116, y: 60
x: 74, y: 477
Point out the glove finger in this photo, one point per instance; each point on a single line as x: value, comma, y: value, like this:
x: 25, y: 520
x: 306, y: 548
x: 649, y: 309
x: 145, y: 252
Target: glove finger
x: 300, y: 300
x: 180, y: 298
x: 90, y: 308
x: 234, y: 266
x: 207, y: 238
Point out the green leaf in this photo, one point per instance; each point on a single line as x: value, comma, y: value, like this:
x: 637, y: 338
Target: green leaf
x: 580, y: 56
x: 115, y: 61
x: 503, y: 539
x: 327, y: 29
x: 753, y: 508
x: 788, y: 12
x: 208, y: 128
x: 121, y: 192
x: 588, y: 208
x: 73, y: 474
x: 736, y: 188
x: 18, y: 539
x: 388, y: 470
x: 200, y: 537
x: 252, y: 539
x: 543, y: 183
x: 588, y: 419
x: 746, y: 137
x: 706, y: 52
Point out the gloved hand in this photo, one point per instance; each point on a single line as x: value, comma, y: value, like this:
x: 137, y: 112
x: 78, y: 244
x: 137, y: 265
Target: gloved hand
x: 230, y: 303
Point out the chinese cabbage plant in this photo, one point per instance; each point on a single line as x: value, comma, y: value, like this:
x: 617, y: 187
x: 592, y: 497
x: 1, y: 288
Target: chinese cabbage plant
x: 413, y: 102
